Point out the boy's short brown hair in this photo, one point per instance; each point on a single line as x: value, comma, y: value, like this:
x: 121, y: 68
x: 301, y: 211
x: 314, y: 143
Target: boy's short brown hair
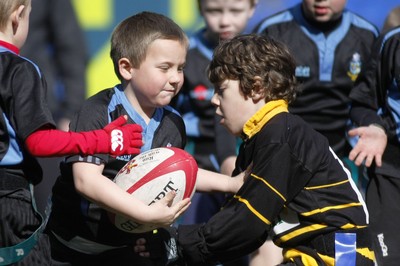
x: 7, y: 7
x: 248, y: 56
x: 132, y: 37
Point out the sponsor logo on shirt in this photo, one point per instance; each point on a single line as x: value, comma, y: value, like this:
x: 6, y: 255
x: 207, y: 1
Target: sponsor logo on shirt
x: 302, y: 72
x: 355, y: 66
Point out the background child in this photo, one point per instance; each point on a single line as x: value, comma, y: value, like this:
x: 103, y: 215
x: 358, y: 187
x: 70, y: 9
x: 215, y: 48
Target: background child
x: 27, y: 130
x: 376, y: 92
x: 297, y: 189
x: 79, y: 228
x: 392, y: 20
x: 331, y: 46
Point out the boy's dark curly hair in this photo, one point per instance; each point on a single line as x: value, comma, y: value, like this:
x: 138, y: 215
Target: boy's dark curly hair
x: 248, y: 56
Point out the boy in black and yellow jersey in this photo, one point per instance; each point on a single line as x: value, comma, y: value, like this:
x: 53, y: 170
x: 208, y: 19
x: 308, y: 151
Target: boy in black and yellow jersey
x: 297, y: 191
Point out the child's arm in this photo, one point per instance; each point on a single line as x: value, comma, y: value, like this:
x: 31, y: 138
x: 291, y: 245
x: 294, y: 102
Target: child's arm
x: 91, y: 184
x: 114, y: 139
x: 208, y: 181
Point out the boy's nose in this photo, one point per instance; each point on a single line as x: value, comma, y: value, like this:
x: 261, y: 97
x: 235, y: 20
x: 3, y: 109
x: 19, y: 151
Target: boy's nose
x: 175, y: 78
x: 225, y: 19
x: 214, y: 100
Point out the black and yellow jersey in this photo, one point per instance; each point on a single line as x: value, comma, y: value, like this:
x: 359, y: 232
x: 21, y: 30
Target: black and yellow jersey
x: 298, y: 192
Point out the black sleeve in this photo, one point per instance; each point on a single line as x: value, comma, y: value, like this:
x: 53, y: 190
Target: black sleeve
x: 364, y: 94
x: 370, y: 93
x: 244, y: 223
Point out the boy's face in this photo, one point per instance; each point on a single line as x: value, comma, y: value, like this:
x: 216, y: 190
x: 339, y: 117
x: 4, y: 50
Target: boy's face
x: 160, y: 76
x: 323, y: 10
x: 232, y: 106
x: 225, y: 18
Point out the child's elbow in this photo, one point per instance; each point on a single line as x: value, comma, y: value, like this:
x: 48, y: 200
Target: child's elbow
x: 80, y: 185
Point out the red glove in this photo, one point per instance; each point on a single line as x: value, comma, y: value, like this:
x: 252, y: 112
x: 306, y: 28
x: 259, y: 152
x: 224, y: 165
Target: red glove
x: 114, y: 139
x: 122, y: 139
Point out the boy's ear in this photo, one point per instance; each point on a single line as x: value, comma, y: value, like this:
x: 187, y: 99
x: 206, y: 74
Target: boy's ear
x: 125, y: 68
x: 16, y: 16
x: 258, y: 92
x: 253, y: 8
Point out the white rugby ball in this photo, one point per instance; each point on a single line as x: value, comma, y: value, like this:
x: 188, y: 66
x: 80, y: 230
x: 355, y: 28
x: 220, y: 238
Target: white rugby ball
x: 150, y: 176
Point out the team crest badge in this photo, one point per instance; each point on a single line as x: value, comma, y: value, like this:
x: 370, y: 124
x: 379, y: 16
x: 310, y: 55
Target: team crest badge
x: 355, y: 67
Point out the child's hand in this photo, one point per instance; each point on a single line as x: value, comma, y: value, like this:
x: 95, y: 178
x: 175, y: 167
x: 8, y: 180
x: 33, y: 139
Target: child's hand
x: 123, y: 139
x: 370, y: 145
x: 162, y: 214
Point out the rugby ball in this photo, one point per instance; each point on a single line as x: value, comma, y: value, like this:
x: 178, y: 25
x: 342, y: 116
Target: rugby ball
x: 150, y: 176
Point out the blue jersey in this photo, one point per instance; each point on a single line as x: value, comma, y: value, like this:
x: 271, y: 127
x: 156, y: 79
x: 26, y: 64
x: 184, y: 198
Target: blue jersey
x: 23, y: 110
x: 75, y: 218
x: 378, y: 92
x: 328, y: 61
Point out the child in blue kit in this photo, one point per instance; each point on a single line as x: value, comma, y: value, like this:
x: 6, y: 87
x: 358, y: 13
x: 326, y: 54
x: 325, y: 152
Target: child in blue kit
x: 79, y: 227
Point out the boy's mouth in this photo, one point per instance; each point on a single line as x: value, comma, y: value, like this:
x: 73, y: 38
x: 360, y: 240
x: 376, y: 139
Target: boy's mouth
x: 320, y: 11
x: 226, y: 35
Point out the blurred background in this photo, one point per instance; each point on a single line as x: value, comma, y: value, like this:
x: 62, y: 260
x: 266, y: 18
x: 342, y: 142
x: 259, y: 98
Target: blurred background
x: 98, y: 20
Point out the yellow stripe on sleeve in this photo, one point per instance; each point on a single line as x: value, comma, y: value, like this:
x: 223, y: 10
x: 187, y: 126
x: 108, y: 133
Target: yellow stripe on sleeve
x: 271, y: 187
x: 337, y: 207
x: 252, y: 209
x: 301, y: 231
x: 328, y: 185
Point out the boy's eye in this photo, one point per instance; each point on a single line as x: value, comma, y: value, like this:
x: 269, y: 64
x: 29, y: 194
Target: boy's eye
x: 168, y: 67
x: 236, y: 11
x: 213, y: 11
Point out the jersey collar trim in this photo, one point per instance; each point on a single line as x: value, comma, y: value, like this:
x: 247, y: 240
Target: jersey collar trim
x: 259, y: 119
x: 9, y: 46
